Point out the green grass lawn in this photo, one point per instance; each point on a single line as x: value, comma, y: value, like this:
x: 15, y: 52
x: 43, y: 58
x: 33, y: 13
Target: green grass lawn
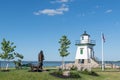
x: 25, y: 75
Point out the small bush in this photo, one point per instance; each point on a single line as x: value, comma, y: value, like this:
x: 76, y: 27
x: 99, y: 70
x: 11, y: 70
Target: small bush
x: 74, y: 74
x: 89, y: 72
x: 58, y: 72
x: 93, y: 73
x: 85, y: 72
x: 73, y: 68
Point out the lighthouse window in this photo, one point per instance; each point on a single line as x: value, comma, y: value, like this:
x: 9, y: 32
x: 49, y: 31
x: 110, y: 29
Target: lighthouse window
x: 82, y: 38
x: 81, y: 51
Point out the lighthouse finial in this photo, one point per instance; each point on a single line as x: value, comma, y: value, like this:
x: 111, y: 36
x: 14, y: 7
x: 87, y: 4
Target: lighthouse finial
x: 84, y: 32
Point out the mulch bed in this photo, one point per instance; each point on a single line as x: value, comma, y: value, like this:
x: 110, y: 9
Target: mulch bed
x: 62, y: 76
x: 38, y: 70
x: 59, y: 76
x: 5, y: 70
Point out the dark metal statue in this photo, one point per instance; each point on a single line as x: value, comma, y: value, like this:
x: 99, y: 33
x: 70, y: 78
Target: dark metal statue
x: 40, y: 59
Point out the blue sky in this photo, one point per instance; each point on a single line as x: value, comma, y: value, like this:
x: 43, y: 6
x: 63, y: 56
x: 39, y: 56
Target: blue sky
x: 35, y: 25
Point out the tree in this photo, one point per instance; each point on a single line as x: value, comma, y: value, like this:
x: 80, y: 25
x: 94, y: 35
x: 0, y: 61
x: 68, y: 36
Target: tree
x: 9, y: 53
x: 64, y: 45
x: 18, y: 61
x: 8, y: 49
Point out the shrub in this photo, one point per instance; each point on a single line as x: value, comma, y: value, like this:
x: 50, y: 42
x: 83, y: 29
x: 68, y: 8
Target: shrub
x: 58, y: 73
x: 85, y: 72
x: 89, y: 72
x: 93, y: 73
x: 73, y: 68
x: 74, y: 74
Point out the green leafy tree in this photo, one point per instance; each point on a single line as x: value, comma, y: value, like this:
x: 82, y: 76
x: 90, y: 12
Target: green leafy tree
x: 8, y: 49
x: 63, y: 50
x: 17, y: 62
x: 9, y: 53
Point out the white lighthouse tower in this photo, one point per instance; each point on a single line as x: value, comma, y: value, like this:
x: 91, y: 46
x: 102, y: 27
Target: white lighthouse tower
x: 85, y: 51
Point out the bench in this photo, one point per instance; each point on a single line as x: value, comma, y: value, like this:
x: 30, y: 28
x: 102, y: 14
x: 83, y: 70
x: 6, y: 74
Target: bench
x: 35, y: 68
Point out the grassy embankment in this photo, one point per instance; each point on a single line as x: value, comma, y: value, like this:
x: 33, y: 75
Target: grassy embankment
x: 25, y: 75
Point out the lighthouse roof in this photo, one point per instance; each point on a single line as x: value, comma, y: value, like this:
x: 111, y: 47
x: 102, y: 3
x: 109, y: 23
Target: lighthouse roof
x: 85, y: 34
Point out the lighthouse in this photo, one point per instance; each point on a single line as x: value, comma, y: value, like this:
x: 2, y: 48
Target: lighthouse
x: 85, y: 51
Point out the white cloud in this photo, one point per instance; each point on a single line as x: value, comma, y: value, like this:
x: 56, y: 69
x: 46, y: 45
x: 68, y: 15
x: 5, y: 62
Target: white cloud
x: 98, y: 6
x: 59, y: 11
x: 108, y: 11
x: 63, y: 8
x: 52, y: 12
x: 60, y: 1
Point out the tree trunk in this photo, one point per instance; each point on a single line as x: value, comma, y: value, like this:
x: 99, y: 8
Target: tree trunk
x: 62, y: 63
x: 7, y: 66
x: 0, y: 65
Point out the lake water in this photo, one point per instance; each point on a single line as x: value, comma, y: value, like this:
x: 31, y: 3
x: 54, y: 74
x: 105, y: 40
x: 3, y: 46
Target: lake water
x: 52, y: 63
x: 46, y: 63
